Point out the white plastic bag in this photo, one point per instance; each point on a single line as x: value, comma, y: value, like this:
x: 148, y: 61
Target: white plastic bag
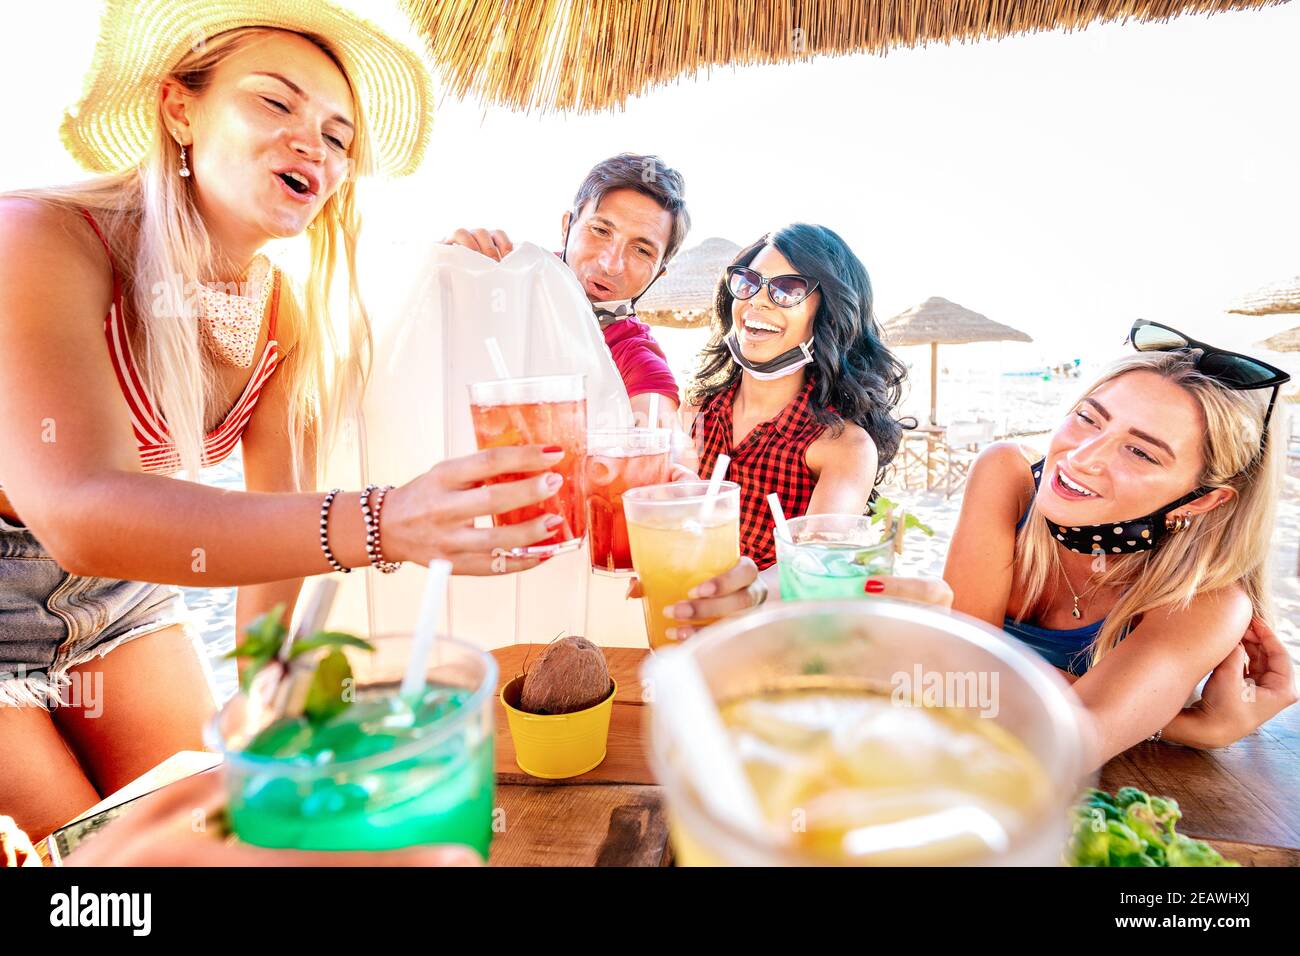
x: 432, y: 309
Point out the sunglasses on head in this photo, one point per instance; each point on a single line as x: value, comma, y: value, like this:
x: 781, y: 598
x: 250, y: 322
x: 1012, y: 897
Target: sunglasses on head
x: 785, y: 291
x: 1230, y: 369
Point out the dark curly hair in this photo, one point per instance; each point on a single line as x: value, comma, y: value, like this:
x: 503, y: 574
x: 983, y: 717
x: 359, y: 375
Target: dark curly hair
x: 858, y: 378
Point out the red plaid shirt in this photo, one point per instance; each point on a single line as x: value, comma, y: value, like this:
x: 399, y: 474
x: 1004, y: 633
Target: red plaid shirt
x: 771, y: 458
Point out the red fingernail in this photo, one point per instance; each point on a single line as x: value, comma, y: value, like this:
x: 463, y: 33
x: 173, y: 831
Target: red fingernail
x: 873, y: 586
x: 552, y: 450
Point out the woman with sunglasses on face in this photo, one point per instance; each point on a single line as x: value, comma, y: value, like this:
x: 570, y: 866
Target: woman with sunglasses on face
x: 796, y: 386
x: 1134, y: 556
x: 144, y: 333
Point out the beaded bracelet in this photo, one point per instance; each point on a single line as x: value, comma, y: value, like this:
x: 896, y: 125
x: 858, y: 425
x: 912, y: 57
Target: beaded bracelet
x: 371, y: 517
x: 324, y: 532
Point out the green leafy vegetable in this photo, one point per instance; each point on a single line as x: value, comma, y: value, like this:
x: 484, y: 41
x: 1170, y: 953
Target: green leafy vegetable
x: 327, y: 694
x: 883, y: 510
x: 1133, y: 829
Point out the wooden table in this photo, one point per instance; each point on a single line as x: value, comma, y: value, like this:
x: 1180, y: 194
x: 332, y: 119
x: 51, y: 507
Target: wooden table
x: 1243, y: 799
x: 610, y: 816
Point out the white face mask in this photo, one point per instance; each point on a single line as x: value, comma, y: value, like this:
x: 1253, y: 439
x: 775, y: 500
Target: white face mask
x: 787, y: 363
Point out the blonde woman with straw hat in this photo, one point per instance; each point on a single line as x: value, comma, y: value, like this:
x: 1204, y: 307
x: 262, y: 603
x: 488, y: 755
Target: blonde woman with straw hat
x: 145, y: 334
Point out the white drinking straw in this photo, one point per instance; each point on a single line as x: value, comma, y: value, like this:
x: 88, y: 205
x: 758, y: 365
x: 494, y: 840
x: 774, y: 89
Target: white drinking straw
x: 686, y: 705
x: 435, y: 595
x: 288, y: 694
x: 312, y: 612
x: 498, y: 360
x: 652, y: 419
x: 715, y: 484
x: 778, y: 516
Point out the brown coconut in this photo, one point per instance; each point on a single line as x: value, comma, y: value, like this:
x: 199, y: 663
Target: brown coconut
x: 570, y: 675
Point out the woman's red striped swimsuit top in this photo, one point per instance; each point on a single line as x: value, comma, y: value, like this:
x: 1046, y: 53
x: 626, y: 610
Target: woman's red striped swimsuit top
x: 157, y: 451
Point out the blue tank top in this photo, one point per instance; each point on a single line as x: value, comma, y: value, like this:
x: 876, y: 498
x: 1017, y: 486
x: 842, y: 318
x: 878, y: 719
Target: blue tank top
x: 1066, y: 649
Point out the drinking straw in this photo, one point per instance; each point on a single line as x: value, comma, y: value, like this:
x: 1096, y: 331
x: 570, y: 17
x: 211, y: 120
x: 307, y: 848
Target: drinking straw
x: 313, y: 611
x: 687, y: 707
x: 288, y: 695
x: 652, y: 419
x: 498, y: 360
x: 715, y: 484
x: 778, y: 516
x: 900, y: 528
x: 435, y: 595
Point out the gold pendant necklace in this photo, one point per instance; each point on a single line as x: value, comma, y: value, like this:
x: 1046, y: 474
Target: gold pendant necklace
x: 1074, y: 612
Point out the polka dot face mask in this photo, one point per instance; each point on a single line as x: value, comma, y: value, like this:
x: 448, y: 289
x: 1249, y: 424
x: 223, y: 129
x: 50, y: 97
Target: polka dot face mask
x: 1117, y: 537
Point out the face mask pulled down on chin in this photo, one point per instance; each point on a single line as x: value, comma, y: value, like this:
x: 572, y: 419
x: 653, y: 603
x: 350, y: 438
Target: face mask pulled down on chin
x: 787, y: 363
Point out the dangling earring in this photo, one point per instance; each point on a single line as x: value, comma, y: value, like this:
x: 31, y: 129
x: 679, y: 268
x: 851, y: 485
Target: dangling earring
x: 185, y: 167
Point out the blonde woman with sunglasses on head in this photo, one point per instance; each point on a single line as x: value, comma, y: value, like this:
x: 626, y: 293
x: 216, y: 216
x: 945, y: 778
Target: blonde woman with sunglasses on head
x: 145, y: 334
x: 1137, y: 610
x: 1134, y: 611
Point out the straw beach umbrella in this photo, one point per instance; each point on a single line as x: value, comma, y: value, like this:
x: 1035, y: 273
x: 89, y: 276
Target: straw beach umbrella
x: 938, y: 322
x: 683, y: 298
x: 1288, y: 341
x: 587, y: 55
x: 1279, y: 297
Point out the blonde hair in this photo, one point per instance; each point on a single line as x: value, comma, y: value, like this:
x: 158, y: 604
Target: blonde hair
x: 1227, y: 545
x: 161, y: 246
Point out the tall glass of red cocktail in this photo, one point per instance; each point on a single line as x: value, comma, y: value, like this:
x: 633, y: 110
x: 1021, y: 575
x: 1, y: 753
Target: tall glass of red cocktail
x: 542, y: 410
x: 619, y: 459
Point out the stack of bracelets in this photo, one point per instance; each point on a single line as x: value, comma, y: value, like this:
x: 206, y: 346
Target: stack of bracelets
x: 370, y: 514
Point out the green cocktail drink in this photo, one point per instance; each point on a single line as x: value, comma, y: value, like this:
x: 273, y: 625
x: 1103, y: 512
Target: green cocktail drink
x: 831, y: 557
x: 385, y: 772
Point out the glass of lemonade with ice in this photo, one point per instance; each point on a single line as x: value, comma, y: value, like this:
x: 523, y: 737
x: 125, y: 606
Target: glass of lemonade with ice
x: 871, y: 733
x: 679, y: 539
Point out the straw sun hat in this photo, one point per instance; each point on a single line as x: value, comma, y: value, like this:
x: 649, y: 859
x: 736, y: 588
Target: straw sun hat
x: 110, y: 129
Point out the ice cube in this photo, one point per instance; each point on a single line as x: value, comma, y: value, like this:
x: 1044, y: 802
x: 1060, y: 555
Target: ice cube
x: 272, y: 794
x: 329, y: 798
x: 805, y: 562
x: 284, y: 738
x: 842, y: 566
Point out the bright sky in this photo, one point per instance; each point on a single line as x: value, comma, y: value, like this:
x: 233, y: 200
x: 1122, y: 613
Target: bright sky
x: 1062, y: 184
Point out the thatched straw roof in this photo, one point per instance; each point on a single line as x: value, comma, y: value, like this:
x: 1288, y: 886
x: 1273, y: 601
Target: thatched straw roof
x: 1288, y: 341
x: 1281, y: 296
x: 683, y: 298
x: 939, y: 321
x: 587, y: 55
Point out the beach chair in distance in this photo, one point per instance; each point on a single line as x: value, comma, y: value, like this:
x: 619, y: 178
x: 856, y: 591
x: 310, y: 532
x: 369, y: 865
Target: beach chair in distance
x: 962, y: 442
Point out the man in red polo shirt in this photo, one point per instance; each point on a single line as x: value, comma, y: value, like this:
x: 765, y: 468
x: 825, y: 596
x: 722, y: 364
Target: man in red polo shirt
x: 628, y: 219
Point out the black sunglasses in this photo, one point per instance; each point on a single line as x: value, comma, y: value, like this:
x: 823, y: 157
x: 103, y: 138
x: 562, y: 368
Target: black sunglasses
x: 785, y: 291
x: 1230, y: 369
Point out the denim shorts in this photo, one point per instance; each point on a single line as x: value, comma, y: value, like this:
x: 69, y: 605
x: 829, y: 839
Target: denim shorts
x: 51, y: 620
